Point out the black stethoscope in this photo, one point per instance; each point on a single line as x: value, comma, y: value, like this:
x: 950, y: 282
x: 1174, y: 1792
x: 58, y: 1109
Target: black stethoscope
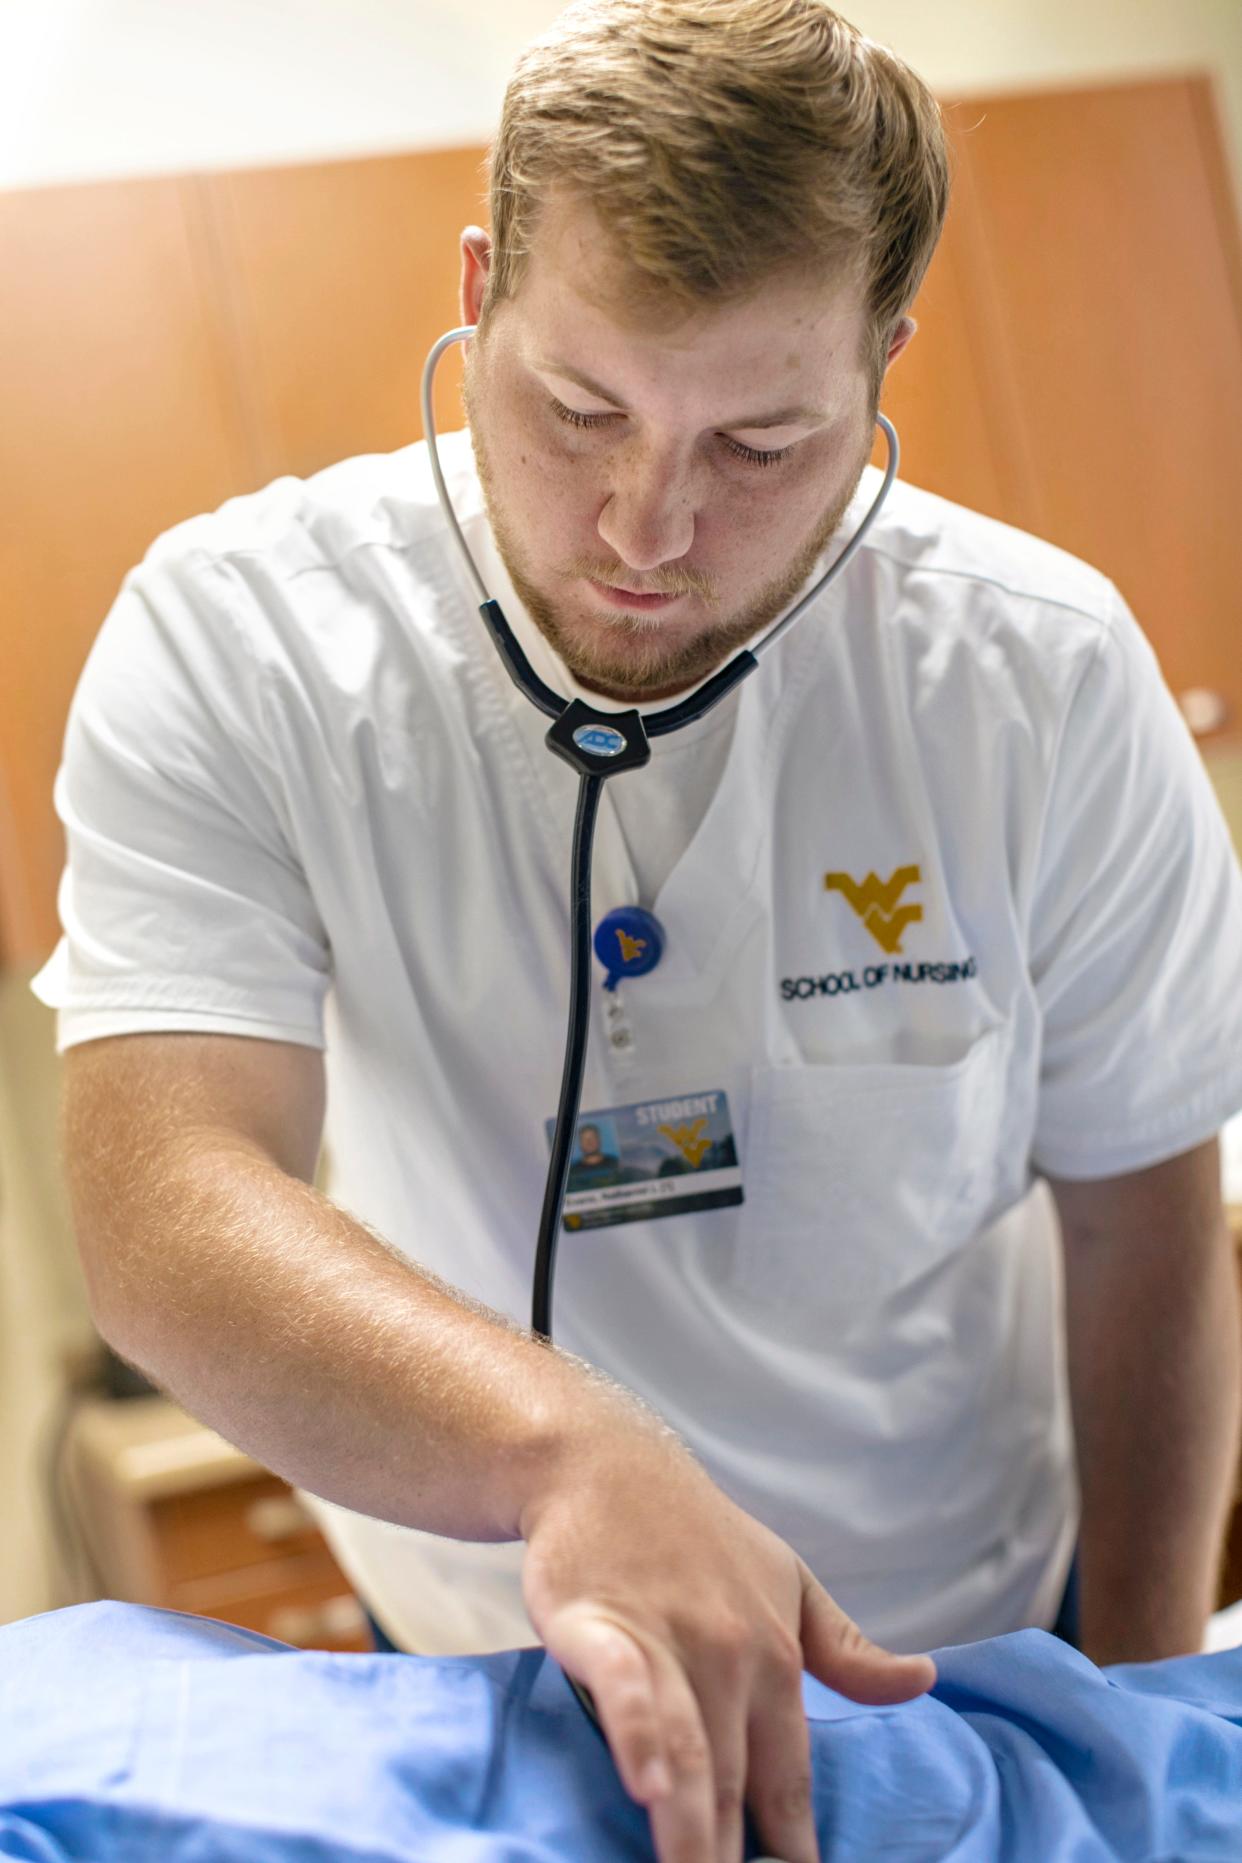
x: 599, y: 745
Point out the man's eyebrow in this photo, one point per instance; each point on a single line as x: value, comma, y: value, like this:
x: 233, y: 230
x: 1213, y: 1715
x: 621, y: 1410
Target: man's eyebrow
x: 783, y: 417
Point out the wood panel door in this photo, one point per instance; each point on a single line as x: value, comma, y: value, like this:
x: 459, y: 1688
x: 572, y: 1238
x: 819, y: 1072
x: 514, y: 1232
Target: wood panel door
x: 121, y: 416
x: 340, y: 276
x: 168, y: 344
x: 1084, y: 313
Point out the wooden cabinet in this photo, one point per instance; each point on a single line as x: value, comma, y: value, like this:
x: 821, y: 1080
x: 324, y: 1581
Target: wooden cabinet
x: 1078, y: 366
x: 166, y: 344
x: 173, y: 1515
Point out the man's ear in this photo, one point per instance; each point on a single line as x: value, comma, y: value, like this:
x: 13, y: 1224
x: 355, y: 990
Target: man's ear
x: 904, y: 331
x: 476, y: 259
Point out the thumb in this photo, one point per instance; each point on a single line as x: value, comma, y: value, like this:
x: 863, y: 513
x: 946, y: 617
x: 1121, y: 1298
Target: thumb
x: 835, y: 1651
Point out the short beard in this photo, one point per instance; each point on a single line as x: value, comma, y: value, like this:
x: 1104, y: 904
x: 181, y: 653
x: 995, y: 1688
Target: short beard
x: 652, y: 666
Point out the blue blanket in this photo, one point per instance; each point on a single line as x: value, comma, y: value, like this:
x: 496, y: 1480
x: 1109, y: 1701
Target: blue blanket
x: 149, y: 1736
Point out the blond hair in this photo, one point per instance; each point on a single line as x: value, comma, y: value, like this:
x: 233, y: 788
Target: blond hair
x: 722, y: 142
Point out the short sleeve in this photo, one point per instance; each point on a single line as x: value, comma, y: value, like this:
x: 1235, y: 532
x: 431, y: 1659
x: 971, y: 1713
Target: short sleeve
x: 1135, y: 930
x: 182, y: 903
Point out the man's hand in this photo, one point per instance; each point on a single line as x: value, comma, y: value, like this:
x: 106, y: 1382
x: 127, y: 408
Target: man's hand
x: 691, y: 1624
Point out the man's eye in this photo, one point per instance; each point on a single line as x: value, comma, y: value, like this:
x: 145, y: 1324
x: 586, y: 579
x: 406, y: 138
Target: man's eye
x: 575, y: 418
x: 756, y: 455
x: 752, y: 455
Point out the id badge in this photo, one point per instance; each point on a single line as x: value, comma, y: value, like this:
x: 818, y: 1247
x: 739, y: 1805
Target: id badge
x: 664, y: 1157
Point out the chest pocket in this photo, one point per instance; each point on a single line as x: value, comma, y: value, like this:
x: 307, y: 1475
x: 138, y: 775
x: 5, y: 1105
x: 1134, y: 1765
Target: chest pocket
x: 859, y: 1179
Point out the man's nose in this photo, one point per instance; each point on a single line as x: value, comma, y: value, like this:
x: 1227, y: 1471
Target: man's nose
x: 648, y: 518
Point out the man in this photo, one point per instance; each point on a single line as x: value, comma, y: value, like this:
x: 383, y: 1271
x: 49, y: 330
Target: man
x: 592, y: 1166
x: 949, y: 909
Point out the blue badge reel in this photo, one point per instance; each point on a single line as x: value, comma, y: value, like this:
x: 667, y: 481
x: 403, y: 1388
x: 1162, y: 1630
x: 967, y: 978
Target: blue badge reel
x: 628, y: 943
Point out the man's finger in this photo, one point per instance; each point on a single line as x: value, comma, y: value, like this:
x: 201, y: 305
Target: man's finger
x: 723, y: 1705
x: 603, y: 1657
x: 779, y: 1782
x: 683, y: 1824
x: 652, y: 1724
x: 835, y: 1651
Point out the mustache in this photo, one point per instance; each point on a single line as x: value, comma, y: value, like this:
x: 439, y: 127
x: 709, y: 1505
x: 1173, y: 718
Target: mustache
x: 671, y: 580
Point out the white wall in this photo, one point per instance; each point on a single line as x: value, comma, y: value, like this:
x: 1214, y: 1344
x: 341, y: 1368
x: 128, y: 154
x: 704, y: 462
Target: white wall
x: 95, y: 88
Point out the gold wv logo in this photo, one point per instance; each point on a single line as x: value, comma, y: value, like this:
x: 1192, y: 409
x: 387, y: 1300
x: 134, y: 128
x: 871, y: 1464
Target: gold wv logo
x: 630, y: 947
x: 690, y: 1140
x: 875, y: 902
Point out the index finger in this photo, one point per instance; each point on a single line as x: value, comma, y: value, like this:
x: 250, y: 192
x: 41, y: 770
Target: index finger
x: 608, y: 1670
x: 650, y: 1719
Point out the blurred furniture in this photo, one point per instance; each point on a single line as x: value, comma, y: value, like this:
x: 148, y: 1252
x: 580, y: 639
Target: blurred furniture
x: 173, y: 1515
x: 44, y: 1314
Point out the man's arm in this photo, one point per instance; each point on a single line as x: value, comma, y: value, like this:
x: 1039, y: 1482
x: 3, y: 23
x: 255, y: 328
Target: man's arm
x: 302, y: 1336
x: 1155, y: 1370
x: 274, y: 1316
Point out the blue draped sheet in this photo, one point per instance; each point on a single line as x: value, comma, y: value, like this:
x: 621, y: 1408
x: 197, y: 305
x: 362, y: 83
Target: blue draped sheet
x: 151, y: 1736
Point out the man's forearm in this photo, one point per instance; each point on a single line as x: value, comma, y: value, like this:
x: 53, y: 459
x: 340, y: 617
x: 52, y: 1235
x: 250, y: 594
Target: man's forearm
x: 1155, y: 1370
x: 284, y: 1324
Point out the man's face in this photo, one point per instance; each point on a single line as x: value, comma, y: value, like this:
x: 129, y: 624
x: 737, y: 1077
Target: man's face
x: 649, y: 490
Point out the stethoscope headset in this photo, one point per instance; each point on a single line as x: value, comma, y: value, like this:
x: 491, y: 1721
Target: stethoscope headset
x: 599, y: 744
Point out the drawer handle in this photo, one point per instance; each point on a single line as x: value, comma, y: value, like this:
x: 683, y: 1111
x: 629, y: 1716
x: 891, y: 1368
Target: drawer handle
x: 337, y: 1620
x: 277, y: 1517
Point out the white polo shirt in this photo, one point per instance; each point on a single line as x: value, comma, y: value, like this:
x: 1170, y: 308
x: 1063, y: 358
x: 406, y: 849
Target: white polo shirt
x: 948, y: 902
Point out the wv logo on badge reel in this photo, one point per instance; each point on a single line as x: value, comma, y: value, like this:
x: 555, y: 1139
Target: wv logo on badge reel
x: 875, y: 902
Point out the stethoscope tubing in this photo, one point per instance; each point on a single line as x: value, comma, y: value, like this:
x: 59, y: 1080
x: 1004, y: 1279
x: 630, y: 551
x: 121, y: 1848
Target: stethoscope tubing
x: 590, y: 789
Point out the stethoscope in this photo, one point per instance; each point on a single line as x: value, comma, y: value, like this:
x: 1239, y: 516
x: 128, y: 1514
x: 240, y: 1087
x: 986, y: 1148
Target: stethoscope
x: 599, y: 745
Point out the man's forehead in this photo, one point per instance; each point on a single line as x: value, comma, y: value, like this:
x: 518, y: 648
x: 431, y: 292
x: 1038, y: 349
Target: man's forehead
x: 579, y: 302
x: 571, y: 244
